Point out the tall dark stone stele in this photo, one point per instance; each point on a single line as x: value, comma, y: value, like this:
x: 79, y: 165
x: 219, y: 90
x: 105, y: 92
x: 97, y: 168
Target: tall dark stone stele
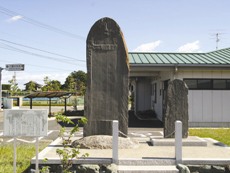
x: 107, y: 79
x: 176, y: 108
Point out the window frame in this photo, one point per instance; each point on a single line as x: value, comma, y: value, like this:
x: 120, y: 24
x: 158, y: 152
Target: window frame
x: 212, y: 87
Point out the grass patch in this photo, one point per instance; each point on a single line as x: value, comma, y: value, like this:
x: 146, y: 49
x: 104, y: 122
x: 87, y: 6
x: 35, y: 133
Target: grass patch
x: 25, y: 152
x: 219, y: 134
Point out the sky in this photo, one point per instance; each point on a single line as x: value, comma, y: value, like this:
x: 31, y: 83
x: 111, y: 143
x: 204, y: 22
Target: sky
x: 49, y: 36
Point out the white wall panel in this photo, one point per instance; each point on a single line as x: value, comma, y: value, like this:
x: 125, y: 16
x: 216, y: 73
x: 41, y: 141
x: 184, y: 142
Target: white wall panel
x: 197, y: 101
x: 226, y: 106
x: 217, y: 105
x: 207, y: 74
x: 197, y: 74
x: 190, y: 105
x: 188, y: 74
x: 216, y: 74
x: 207, y: 106
x: 225, y: 74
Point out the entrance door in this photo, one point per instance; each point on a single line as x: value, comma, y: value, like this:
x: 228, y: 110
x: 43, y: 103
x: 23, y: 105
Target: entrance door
x: 143, y: 91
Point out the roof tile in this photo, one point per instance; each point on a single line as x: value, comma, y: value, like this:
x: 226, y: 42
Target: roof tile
x: 218, y: 57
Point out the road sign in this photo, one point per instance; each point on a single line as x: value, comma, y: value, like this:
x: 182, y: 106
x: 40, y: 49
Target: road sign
x: 15, y: 67
x: 30, y: 123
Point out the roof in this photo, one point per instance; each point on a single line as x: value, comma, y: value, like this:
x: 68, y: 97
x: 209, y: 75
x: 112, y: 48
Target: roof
x: 48, y: 94
x: 37, y: 84
x: 218, y: 57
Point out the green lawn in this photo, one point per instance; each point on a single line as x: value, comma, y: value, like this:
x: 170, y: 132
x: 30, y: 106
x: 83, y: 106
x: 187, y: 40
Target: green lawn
x: 25, y: 153
x: 80, y: 101
x: 219, y: 134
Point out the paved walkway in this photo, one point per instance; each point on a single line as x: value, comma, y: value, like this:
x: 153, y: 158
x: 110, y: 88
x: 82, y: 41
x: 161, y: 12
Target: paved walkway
x: 213, y: 153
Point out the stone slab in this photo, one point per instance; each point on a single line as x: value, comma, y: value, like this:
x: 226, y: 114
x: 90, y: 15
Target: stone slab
x: 147, y: 161
x: 146, y: 155
x: 147, y: 169
x: 190, y: 141
x: 206, y: 161
x: 106, y: 96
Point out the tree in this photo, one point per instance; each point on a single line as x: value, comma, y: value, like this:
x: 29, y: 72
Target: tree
x: 14, y: 89
x: 51, y: 85
x: 31, y: 86
x: 76, y: 82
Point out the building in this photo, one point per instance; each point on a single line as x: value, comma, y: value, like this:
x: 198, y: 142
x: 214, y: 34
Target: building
x: 33, y: 85
x: 207, y: 76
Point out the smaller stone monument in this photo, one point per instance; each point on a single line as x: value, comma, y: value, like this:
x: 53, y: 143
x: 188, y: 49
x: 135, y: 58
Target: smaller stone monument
x: 176, y: 108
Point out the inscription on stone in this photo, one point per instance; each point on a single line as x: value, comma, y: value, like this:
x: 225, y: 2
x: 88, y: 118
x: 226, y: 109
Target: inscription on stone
x: 31, y: 123
x: 103, y: 47
x: 107, y: 79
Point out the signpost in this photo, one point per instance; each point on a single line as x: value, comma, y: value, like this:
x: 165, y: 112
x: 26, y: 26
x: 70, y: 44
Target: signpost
x: 9, y: 67
x: 15, y: 67
x: 29, y: 123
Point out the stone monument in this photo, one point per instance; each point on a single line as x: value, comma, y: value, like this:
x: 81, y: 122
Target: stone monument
x: 176, y: 108
x: 106, y: 96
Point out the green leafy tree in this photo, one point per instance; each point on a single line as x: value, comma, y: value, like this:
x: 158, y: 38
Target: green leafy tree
x: 30, y: 86
x: 76, y: 82
x: 14, y: 89
x: 51, y: 85
x: 46, y: 87
x: 70, y: 84
x: 68, y: 153
x: 46, y: 80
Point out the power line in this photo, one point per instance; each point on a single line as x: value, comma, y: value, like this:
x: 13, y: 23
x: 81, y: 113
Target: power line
x: 40, y: 24
x: 34, y: 54
x: 50, y: 67
x: 18, y: 44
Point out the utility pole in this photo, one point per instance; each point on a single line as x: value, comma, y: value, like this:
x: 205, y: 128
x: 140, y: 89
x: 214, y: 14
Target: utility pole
x: 1, y: 87
x: 217, y: 40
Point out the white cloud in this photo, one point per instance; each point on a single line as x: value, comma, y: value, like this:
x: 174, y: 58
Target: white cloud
x: 14, y: 18
x: 148, y: 47
x: 190, y: 47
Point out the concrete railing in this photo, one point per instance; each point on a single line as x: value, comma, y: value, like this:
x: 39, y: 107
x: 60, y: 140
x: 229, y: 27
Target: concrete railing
x: 115, y: 141
x: 178, y: 141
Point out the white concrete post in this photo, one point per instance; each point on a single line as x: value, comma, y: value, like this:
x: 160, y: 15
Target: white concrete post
x: 37, y: 151
x: 178, y: 141
x: 115, y: 141
x: 1, y: 87
x: 15, y: 155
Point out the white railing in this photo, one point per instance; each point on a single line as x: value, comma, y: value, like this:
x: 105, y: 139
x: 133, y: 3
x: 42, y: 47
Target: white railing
x: 178, y: 141
x: 115, y: 141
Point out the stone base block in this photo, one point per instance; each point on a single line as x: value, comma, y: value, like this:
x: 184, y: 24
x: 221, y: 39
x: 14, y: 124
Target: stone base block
x: 190, y: 141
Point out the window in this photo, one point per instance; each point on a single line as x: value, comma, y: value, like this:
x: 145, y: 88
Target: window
x: 228, y: 84
x: 219, y: 84
x: 204, y: 83
x: 192, y: 84
x: 208, y: 84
